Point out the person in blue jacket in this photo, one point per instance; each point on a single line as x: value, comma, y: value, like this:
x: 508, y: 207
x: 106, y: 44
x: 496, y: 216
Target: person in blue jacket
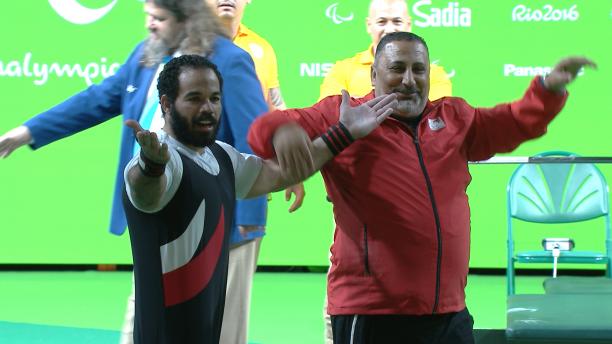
x: 175, y: 27
x: 127, y: 93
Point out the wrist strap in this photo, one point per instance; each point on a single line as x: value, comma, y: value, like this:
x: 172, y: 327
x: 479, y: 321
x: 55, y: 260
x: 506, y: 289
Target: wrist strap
x: 149, y: 167
x: 337, y: 138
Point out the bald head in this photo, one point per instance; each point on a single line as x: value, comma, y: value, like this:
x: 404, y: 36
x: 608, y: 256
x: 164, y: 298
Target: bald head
x: 386, y: 16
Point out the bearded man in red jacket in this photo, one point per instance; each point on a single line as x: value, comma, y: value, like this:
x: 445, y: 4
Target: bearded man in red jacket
x: 399, y: 261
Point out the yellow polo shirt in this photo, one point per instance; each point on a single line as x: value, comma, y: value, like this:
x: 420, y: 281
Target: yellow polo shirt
x: 263, y: 56
x: 353, y: 75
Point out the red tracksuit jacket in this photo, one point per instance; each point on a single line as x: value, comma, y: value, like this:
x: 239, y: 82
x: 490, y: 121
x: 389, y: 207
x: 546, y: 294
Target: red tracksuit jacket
x: 402, y: 238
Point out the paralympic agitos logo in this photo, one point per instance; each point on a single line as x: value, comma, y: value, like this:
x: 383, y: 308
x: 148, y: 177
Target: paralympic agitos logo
x: 75, y: 13
x: 332, y: 13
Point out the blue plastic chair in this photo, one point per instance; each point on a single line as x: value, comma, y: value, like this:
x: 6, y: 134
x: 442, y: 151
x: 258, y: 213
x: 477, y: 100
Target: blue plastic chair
x: 554, y: 194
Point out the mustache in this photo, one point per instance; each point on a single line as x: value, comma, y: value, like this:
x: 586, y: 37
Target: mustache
x: 206, y: 117
x: 406, y: 90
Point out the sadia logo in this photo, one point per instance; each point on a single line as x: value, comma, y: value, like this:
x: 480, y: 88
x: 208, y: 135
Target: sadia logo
x: 546, y: 13
x: 74, y: 12
x: 451, y: 16
x: 332, y: 13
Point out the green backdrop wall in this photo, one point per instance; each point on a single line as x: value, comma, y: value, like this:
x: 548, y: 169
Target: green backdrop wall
x: 55, y: 202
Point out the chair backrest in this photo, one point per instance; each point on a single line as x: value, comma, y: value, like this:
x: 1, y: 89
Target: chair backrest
x: 553, y: 194
x: 557, y: 193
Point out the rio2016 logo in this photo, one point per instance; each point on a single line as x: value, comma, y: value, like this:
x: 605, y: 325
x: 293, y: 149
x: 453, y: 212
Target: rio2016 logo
x: 546, y: 14
x: 75, y: 13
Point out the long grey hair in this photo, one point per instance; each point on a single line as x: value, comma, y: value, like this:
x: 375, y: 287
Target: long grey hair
x: 201, y: 27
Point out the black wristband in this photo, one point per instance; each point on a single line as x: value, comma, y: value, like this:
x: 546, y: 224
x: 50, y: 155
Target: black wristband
x: 337, y: 138
x: 149, y: 167
x: 346, y: 132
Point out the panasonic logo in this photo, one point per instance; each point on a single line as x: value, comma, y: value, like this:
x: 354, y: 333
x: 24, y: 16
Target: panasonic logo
x: 528, y: 71
x: 450, y: 16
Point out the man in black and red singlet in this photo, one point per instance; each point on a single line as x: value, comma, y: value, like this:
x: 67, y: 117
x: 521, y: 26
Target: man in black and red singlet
x: 180, y: 195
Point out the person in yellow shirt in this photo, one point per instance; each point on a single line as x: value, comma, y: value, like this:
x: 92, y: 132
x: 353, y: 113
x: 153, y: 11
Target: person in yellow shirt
x: 230, y: 13
x: 244, y: 246
x: 353, y: 74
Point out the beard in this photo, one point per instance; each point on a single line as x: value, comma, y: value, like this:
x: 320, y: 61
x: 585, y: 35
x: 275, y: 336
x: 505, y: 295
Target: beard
x: 182, y: 129
x: 413, y: 105
x: 154, y: 51
x: 410, y: 109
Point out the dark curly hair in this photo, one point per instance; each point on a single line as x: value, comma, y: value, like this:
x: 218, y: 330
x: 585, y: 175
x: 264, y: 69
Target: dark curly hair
x: 168, y: 81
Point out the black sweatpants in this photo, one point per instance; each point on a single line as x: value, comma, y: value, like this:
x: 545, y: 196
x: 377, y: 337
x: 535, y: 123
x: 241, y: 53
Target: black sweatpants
x: 450, y: 328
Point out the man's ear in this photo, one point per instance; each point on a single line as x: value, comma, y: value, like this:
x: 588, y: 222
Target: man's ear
x: 373, y: 75
x: 165, y: 104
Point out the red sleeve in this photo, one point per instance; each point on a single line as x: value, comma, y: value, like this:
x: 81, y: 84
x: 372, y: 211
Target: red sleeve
x: 504, y: 127
x: 315, y: 120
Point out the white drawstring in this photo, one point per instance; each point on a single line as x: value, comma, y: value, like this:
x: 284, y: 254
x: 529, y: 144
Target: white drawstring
x: 353, y: 328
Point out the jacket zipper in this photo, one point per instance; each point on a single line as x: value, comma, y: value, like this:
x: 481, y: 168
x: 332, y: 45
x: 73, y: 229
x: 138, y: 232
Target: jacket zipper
x: 436, y: 217
x: 366, y: 262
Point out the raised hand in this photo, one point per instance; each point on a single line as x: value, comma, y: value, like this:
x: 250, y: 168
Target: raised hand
x: 362, y: 119
x: 149, y: 143
x: 565, y: 72
x: 14, y: 139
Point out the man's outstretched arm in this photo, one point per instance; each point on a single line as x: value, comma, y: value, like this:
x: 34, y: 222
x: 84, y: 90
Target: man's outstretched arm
x: 13, y: 139
x: 504, y: 127
x: 298, y: 157
x: 565, y: 71
x: 147, y: 179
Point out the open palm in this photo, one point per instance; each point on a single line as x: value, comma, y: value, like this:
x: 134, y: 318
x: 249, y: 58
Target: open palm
x: 149, y: 143
x: 362, y: 119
